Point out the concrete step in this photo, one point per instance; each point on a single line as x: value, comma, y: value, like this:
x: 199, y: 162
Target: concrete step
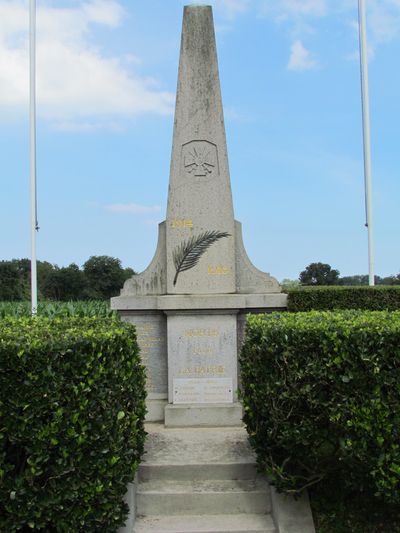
x: 186, y: 472
x: 196, y: 446
x: 217, y: 453
x: 239, y: 523
x: 163, y: 497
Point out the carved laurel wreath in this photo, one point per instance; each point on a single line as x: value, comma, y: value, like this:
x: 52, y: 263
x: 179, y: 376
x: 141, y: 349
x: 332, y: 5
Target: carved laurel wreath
x: 187, y: 254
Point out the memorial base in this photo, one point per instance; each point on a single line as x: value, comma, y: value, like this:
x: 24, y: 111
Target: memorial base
x: 200, y: 415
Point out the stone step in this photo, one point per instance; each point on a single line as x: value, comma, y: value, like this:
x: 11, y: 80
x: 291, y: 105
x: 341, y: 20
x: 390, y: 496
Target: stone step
x: 216, y: 415
x: 162, y: 497
x: 187, y: 472
x: 197, y: 446
x: 238, y: 523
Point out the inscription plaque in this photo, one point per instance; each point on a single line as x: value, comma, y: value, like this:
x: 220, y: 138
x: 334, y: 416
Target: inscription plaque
x: 210, y: 390
x: 202, y: 361
x: 152, y: 339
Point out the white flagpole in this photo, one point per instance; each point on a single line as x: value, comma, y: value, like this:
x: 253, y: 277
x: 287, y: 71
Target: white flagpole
x: 366, y: 135
x: 32, y: 150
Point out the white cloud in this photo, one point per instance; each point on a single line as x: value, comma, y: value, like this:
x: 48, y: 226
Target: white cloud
x: 383, y: 16
x: 299, y: 18
x: 383, y: 25
x: 107, y: 12
x: 75, y: 79
x: 136, y: 209
x: 300, y: 57
x: 232, y: 8
x: 383, y: 20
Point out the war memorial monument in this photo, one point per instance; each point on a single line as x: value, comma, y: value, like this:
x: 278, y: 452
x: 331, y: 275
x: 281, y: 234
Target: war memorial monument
x: 189, y: 305
x: 189, y: 308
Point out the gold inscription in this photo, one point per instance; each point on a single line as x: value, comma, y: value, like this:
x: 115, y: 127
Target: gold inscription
x: 145, y: 338
x: 201, y: 332
x: 182, y: 223
x: 149, y: 340
x: 213, y: 369
x: 219, y: 270
x: 203, y: 351
x: 145, y: 327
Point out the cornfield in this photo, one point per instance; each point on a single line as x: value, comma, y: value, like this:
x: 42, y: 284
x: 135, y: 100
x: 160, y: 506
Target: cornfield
x: 91, y: 308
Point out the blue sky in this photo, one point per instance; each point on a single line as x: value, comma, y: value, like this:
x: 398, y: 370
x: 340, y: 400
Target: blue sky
x: 289, y: 72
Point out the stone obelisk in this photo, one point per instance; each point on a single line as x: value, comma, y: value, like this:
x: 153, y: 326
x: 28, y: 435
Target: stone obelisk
x: 200, y: 198
x: 189, y: 305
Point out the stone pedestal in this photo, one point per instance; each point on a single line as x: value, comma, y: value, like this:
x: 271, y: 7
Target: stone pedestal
x: 190, y: 345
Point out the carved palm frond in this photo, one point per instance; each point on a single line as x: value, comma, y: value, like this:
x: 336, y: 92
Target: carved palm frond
x: 188, y: 253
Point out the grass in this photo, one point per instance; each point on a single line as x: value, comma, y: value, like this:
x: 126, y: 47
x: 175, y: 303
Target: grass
x: 89, y: 308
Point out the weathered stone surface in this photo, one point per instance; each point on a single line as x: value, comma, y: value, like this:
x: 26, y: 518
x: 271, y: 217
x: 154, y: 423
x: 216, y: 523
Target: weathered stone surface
x: 200, y: 198
x: 203, y: 415
x: 151, y: 330
x: 249, y: 279
x: 245, y: 302
x: 292, y: 515
x: 154, y: 279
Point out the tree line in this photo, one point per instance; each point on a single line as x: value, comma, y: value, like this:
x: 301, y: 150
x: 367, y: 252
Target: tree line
x: 100, y: 278
x: 324, y: 274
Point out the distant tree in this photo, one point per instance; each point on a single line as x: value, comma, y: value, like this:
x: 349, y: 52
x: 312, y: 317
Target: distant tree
x: 359, y: 279
x: 12, y: 285
x: 290, y: 283
x: 104, y: 276
x: 129, y: 272
x: 391, y: 280
x: 71, y: 283
x: 24, y: 269
x: 66, y: 283
x: 47, y: 280
x: 100, y: 278
x: 319, y: 274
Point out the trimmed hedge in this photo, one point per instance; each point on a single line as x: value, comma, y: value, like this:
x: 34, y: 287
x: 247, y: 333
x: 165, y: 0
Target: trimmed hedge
x: 72, y: 405
x: 321, y: 394
x: 378, y: 298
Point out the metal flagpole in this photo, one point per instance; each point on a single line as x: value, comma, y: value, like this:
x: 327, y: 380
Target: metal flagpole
x: 366, y: 135
x: 32, y: 150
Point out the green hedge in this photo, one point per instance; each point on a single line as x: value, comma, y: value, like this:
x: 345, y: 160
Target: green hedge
x: 72, y: 405
x: 321, y: 394
x: 379, y: 298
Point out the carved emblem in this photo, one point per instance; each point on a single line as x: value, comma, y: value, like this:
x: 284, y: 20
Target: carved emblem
x: 200, y: 159
x: 188, y: 253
